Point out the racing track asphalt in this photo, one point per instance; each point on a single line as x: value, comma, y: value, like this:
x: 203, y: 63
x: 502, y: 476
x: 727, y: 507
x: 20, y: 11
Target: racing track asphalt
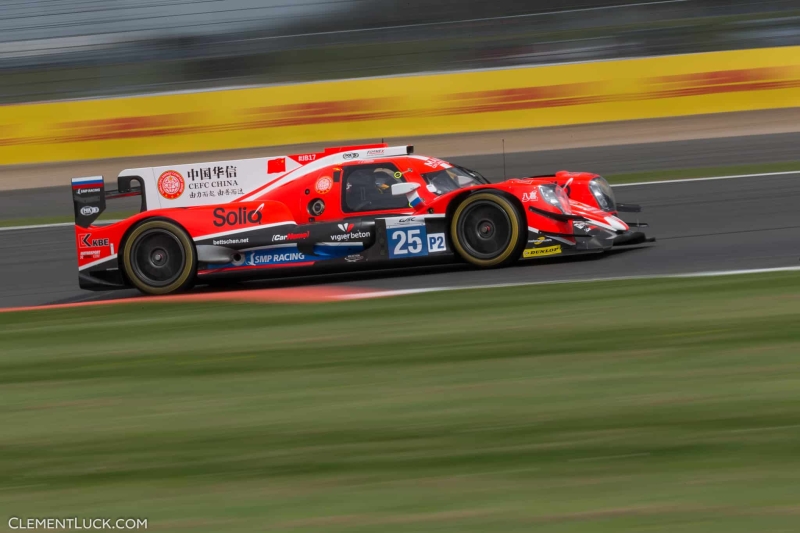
x: 735, y: 224
x: 617, y: 159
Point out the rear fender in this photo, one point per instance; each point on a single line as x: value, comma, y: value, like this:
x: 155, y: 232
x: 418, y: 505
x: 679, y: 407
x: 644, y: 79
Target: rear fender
x: 99, y: 247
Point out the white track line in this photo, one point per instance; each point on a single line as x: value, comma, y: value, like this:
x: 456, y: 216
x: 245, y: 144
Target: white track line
x: 38, y: 226
x: 712, y: 273
x: 57, y: 225
x: 764, y: 174
x: 708, y: 179
x: 463, y: 21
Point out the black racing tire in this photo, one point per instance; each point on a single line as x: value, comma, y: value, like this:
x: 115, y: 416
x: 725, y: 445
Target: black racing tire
x: 159, y: 258
x: 487, y: 230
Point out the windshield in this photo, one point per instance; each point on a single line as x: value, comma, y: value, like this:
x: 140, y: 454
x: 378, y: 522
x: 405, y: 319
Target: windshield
x: 451, y: 179
x: 603, y: 194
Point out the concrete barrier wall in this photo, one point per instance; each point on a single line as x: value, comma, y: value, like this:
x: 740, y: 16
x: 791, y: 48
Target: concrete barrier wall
x: 406, y: 106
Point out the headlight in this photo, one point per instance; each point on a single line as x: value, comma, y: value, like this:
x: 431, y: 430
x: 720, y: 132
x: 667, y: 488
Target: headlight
x: 555, y: 196
x: 602, y: 192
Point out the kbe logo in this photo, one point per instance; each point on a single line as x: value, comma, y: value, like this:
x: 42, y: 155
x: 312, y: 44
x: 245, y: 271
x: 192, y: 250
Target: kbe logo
x: 237, y: 217
x: 89, y: 210
x: 88, y: 242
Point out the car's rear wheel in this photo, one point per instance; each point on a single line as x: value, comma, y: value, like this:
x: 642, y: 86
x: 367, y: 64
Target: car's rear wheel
x: 159, y: 258
x: 487, y: 230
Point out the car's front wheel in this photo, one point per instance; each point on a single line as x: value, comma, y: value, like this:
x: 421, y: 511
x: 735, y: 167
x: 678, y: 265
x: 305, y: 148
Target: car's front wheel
x: 487, y: 230
x: 159, y: 258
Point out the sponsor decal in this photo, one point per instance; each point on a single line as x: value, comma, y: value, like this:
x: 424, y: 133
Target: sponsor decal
x: 405, y: 221
x: 211, y: 173
x: 355, y: 235
x: 538, y: 252
x: 435, y: 163
x: 354, y: 258
x: 323, y: 185
x: 346, y: 227
x: 376, y: 153
x: 86, y: 241
x: 273, y: 258
x: 350, y: 155
x: 306, y: 158
x: 540, y: 240
x: 87, y: 190
x: 90, y: 254
x: 237, y: 217
x: 212, y: 182
x: 530, y: 196
x: 223, y: 242
x: 171, y: 184
x: 290, y: 236
x: 89, y: 210
x: 220, y: 193
x: 275, y: 166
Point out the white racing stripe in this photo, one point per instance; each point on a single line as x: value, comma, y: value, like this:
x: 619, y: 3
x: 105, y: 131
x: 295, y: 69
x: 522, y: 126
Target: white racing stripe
x: 243, y: 230
x: 95, y: 263
x: 763, y: 174
x: 712, y: 273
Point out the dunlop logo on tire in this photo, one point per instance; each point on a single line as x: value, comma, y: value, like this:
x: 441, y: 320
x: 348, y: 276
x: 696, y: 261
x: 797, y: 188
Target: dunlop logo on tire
x: 538, y: 252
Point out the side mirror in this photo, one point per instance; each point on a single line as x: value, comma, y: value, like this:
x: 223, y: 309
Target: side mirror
x: 402, y: 189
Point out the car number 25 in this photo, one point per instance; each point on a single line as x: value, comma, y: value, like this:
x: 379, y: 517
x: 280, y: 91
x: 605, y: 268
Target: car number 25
x: 413, y: 241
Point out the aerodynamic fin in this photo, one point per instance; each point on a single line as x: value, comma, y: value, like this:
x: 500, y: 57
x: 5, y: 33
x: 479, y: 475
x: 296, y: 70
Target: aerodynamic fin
x: 88, y: 199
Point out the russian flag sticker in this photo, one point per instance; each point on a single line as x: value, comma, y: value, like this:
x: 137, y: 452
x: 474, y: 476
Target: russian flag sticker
x: 83, y: 183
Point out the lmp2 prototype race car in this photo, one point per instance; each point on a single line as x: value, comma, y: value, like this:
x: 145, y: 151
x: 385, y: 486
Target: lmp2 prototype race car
x: 348, y: 207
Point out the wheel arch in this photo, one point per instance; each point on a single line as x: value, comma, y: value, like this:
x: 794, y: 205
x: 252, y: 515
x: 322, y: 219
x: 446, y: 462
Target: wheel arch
x: 125, y: 236
x: 455, y: 202
x: 516, y: 204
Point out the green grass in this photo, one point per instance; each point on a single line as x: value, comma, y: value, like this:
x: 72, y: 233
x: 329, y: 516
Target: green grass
x: 661, y: 405
x: 702, y: 172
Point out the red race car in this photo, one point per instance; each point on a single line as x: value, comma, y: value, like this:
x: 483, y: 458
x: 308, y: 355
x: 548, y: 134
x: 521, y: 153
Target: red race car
x: 347, y: 207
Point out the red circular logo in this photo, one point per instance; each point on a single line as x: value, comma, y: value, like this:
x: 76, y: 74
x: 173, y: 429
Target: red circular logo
x: 324, y: 184
x: 171, y: 184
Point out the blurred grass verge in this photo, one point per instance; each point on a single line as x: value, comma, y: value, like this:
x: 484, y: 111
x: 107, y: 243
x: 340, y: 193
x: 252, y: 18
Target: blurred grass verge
x: 656, y: 405
x: 702, y: 172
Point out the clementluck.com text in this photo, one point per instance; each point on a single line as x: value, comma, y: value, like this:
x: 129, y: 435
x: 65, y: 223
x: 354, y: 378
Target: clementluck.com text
x: 16, y: 523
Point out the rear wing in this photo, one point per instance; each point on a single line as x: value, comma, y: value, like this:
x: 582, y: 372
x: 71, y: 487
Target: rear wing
x: 89, y: 196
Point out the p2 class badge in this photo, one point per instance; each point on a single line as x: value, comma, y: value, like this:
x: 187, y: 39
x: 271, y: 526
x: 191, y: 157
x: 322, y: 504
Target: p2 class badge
x: 437, y: 242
